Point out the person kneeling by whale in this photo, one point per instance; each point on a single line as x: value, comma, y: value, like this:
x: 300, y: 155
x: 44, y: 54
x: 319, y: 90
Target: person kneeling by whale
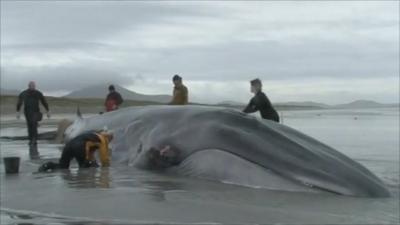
x: 82, y: 148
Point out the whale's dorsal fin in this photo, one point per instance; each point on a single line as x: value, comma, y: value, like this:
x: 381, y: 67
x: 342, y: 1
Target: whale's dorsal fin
x: 78, y: 113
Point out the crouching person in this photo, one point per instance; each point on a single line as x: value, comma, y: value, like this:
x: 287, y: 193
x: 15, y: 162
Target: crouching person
x: 83, y: 148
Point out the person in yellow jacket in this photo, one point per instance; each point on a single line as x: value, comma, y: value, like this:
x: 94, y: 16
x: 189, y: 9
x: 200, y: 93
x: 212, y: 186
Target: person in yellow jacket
x: 83, y: 148
x: 180, y: 93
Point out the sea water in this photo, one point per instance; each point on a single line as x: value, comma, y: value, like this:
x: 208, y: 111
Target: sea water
x: 125, y: 195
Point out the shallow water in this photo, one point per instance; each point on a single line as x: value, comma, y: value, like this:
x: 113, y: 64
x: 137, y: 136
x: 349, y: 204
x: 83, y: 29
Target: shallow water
x: 122, y: 194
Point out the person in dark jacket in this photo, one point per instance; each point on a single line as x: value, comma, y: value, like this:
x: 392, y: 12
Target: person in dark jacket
x: 30, y: 98
x: 260, y: 102
x: 113, y: 100
x: 82, y: 148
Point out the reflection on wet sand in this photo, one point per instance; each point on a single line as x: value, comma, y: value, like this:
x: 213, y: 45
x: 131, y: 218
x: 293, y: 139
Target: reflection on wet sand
x: 33, y: 152
x: 87, y: 178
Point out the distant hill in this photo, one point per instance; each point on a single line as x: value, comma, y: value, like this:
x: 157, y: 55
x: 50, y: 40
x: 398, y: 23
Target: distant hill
x: 101, y: 91
x: 315, y: 105
x: 231, y: 103
x: 307, y: 104
x: 67, y: 105
x: 9, y: 92
x: 364, y: 104
x: 304, y: 104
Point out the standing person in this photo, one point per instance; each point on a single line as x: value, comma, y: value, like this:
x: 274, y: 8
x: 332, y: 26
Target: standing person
x: 113, y: 100
x: 30, y: 98
x: 82, y: 148
x: 180, y: 93
x: 260, y: 102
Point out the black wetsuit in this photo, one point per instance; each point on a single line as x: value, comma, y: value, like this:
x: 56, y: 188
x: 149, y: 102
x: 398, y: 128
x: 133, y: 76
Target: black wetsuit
x: 261, y: 102
x: 75, y: 148
x: 30, y: 99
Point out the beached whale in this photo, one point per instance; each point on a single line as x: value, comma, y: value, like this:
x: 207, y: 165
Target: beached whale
x: 227, y: 145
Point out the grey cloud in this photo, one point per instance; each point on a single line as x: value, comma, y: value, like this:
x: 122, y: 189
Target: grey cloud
x: 53, y: 46
x: 116, y: 41
x: 283, y: 61
x: 82, y: 20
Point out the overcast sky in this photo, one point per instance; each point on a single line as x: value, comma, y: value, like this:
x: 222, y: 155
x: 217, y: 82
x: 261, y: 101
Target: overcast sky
x: 330, y: 52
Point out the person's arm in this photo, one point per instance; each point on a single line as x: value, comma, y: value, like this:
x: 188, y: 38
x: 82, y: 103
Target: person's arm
x: 251, y: 107
x: 89, y: 145
x: 105, y: 101
x: 43, y: 101
x: 20, y: 101
x: 103, y: 150
x: 120, y: 100
x: 104, y: 155
x: 185, y: 95
x: 173, y: 100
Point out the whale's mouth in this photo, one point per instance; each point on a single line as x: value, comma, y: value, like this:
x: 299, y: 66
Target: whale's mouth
x: 223, y: 166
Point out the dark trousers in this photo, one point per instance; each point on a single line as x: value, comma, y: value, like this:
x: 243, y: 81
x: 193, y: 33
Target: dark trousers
x: 32, y: 124
x: 73, y: 149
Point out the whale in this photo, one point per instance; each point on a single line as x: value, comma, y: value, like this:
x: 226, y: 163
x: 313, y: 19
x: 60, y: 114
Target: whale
x: 226, y: 145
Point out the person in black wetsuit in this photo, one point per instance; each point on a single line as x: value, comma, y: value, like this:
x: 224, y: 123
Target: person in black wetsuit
x: 113, y: 100
x: 82, y: 148
x: 30, y: 98
x: 260, y: 102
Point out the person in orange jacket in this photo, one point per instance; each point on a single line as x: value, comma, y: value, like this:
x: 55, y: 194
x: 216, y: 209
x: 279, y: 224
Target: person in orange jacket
x: 82, y: 148
x: 180, y: 93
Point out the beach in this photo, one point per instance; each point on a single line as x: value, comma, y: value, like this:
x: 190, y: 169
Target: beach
x: 122, y: 194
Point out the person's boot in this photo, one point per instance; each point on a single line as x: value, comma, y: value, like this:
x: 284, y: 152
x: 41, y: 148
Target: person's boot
x: 33, y: 152
x: 32, y: 142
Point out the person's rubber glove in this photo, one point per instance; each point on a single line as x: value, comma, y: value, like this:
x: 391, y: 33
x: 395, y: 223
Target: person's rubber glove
x: 47, y: 166
x: 18, y: 115
x: 48, y: 114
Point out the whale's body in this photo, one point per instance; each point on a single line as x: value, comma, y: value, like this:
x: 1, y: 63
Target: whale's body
x: 227, y: 145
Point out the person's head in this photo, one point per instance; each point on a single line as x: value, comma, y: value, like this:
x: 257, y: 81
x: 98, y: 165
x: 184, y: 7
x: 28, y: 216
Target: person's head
x: 177, y: 79
x: 111, y: 88
x: 255, y: 85
x: 32, y: 85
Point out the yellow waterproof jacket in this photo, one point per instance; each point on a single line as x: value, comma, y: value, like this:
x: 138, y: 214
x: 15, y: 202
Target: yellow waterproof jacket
x: 102, y: 148
x: 180, y: 95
